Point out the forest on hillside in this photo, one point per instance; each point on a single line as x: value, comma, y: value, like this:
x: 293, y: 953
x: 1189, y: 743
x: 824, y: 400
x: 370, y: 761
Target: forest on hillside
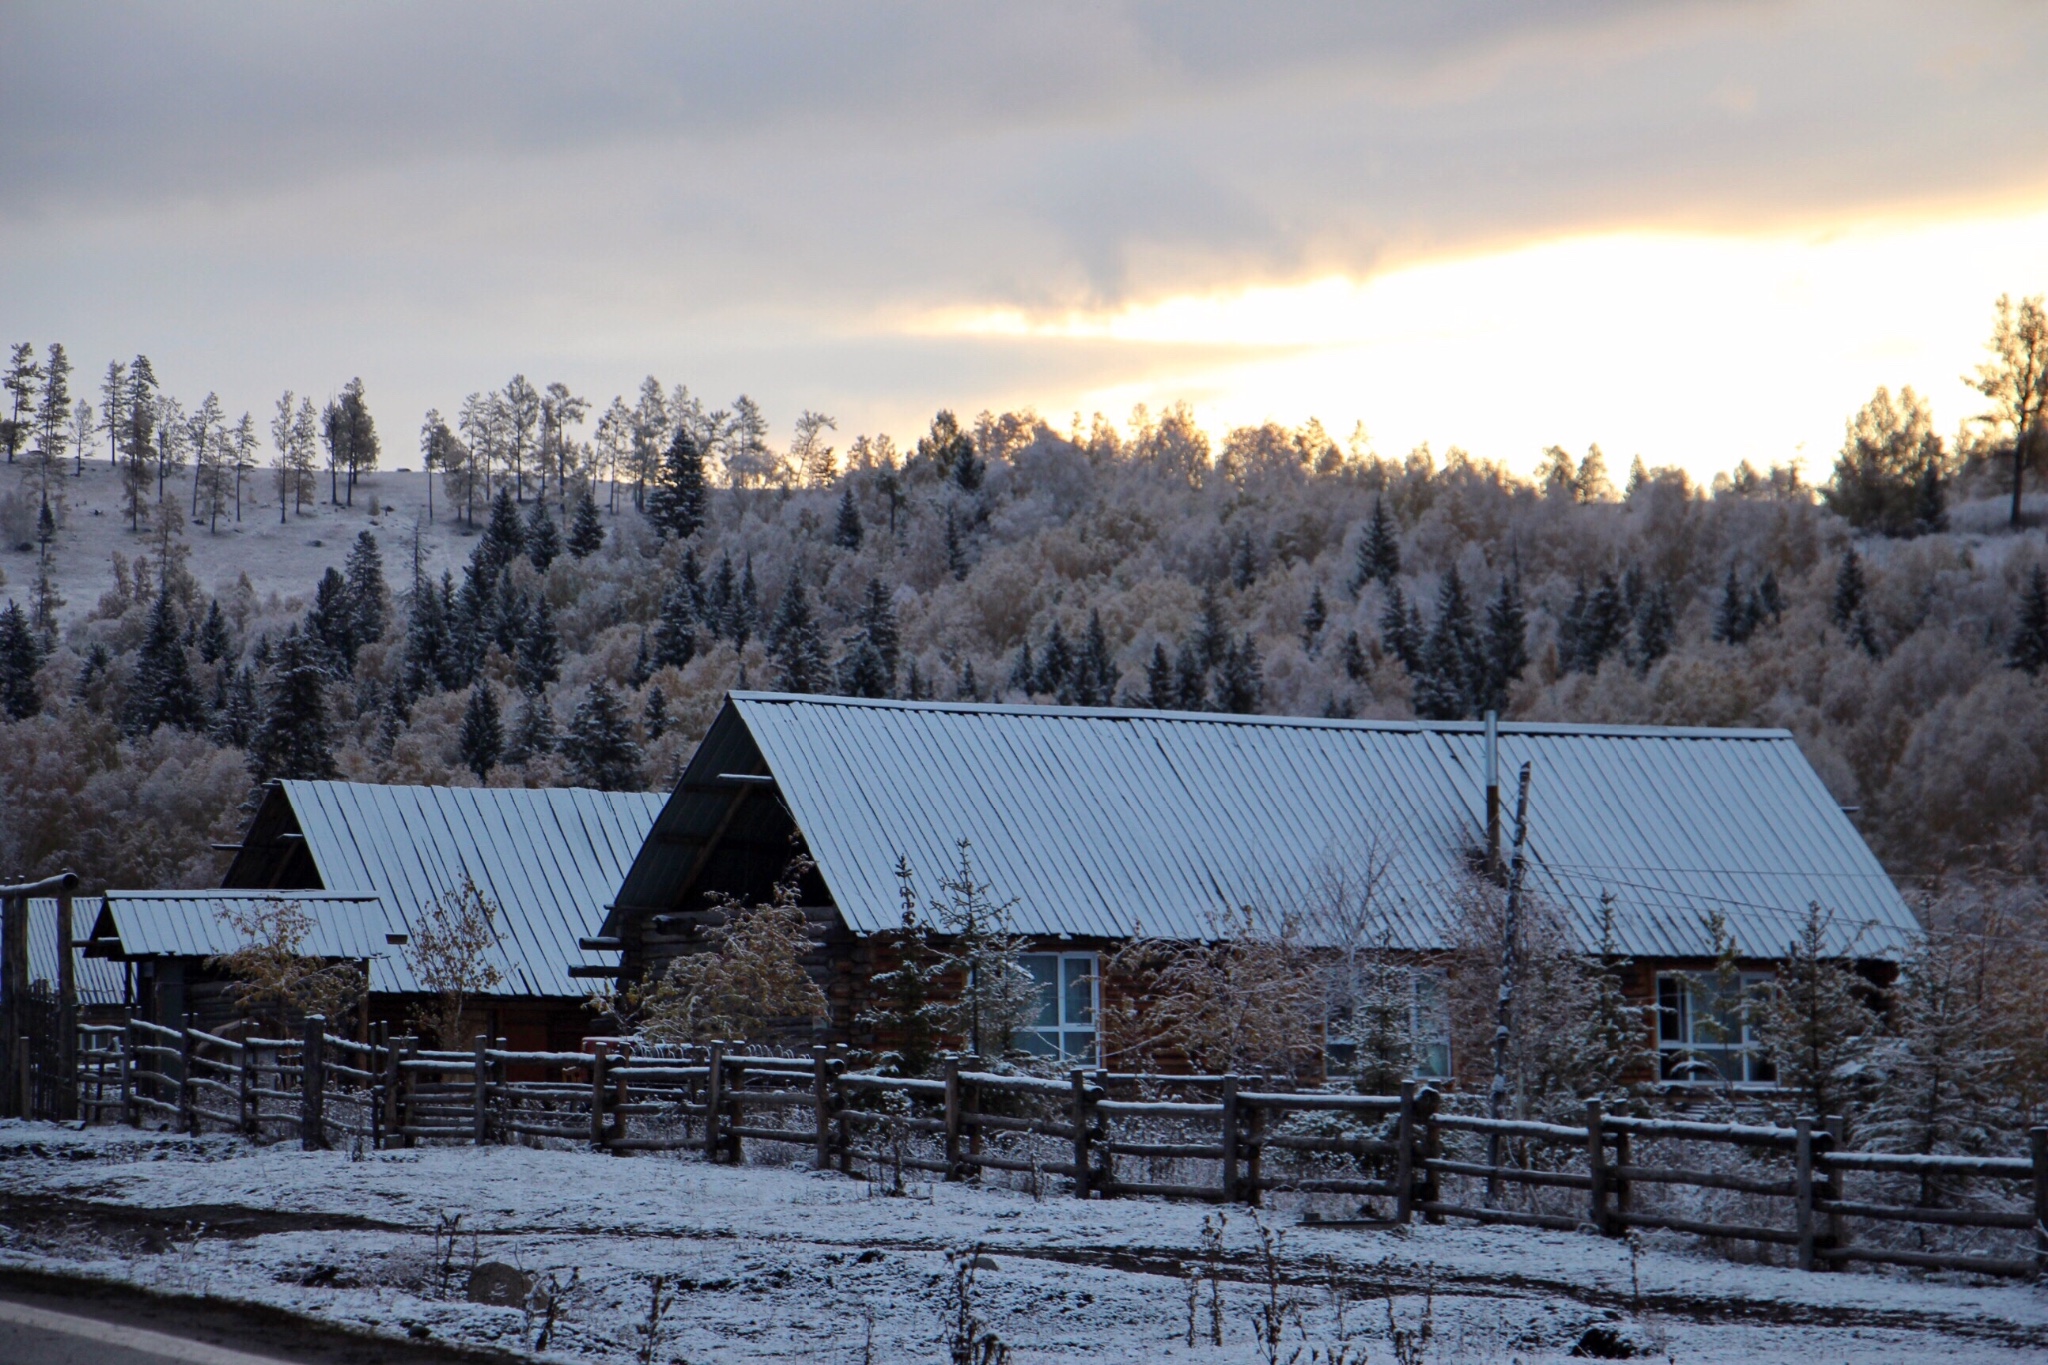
x: 1894, y: 617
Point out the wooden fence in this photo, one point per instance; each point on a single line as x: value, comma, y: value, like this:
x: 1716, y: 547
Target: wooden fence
x: 1766, y: 1191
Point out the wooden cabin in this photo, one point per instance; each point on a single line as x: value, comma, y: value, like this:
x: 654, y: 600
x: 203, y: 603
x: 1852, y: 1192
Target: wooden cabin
x: 1104, y: 823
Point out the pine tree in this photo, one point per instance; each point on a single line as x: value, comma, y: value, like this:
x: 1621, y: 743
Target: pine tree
x: 599, y: 743
x: 1094, y: 670
x: 293, y: 740
x: 675, y: 630
x: 539, y: 660
x: 1212, y: 637
x: 1313, y: 619
x: 1398, y: 634
x: 1244, y: 566
x: 429, y: 663
x: 239, y: 713
x: 956, y: 548
x: 1023, y: 674
x: 720, y: 596
x: 543, y: 541
x: 1190, y: 679
x: 677, y: 503
x: 20, y: 657
x: 908, y: 1011
x: 533, y: 730
x: 795, y: 643
x: 503, y: 540
x: 1055, y: 667
x: 2028, y: 648
x: 1160, y: 692
x: 654, y: 717
x: 643, y: 665
x: 846, y: 531
x: 162, y: 691
x: 329, y: 621
x: 1656, y: 628
x: 369, y: 601
x: 482, y: 738
x: 1379, y: 551
x: 1505, y: 651
x: 1938, y: 1091
x: 1849, y: 590
x: 868, y: 668
x: 1352, y: 656
x: 1731, y: 618
x: 214, y: 644
x: 744, y: 617
x: 1812, y: 1018
x: 1240, y: 682
x: 586, y: 529
x: 861, y: 673
x: 1444, y: 686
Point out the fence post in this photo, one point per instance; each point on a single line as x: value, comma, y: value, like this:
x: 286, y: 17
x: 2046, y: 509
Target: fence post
x: 1404, y: 1155
x: 1828, y: 1183
x: 842, y: 1125
x: 821, y: 1112
x: 245, y: 1088
x: 951, y: 1071
x: 1596, y: 1169
x: 1432, y: 1151
x: 480, y: 1082
x: 1802, y: 1178
x: 313, y: 1085
x: 597, y: 1083
x: 2038, y: 1144
x: 734, y: 1090
x: 714, y: 1099
x: 1617, y: 1184
x: 1230, y: 1139
x: 1083, y: 1115
x: 129, y: 1107
x: 188, y: 1112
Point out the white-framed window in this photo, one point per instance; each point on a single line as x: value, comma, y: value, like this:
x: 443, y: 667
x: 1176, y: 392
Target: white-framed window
x: 1429, y: 1024
x: 1069, y: 996
x: 1705, y: 1032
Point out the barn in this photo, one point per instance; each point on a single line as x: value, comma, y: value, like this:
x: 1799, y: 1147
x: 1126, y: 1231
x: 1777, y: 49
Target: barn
x: 1103, y: 823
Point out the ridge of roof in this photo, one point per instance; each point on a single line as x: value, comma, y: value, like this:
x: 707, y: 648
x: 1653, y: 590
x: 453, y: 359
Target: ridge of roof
x: 1135, y: 713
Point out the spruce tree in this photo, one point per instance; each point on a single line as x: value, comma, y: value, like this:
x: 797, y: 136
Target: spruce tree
x: 20, y: 657
x: 675, y: 630
x: 1352, y: 656
x: 1023, y: 673
x: 868, y: 667
x: 162, y: 691
x: 1812, y: 1019
x: 239, y: 712
x: 293, y: 740
x: 503, y: 540
x: 214, y: 644
x: 1656, y: 628
x: 1094, y: 670
x: 1849, y: 590
x: 482, y: 738
x: 1244, y: 566
x: 1055, y: 667
x: 1190, y: 679
x: 1379, y: 550
x: 543, y: 541
x: 1938, y: 1090
x: 1398, y: 634
x: 1240, y: 682
x: 1160, y: 692
x: 1212, y: 637
x: 599, y: 743
x: 676, y: 505
x: 914, y: 686
x: 968, y: 686
x: 956, y: 548
x: 1505, y: 651
x: 1313, y: 619
x: 861, y: 673
x: 586, y: 529
x: 369, y: 601
x: 643, y: 665
x: 719, y: 597
x: 1732, y: 617
x: 331, y: 622
x: 744, y: 618
x: 428, y: 662
x: 2027, y: 650
x: 533, y: 729
x: 908, y: 1007
x: 878, y: 622
x: 795, y: 644
x: 539, y: 660
x: 1444, y: 686
x: 846, y: 531
x: 654, y: 717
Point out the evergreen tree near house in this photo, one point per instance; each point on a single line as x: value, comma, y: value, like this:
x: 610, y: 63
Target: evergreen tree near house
x: 543, y: 541
x: 20, y: 657
x: 1813, y: 1018
x: 162, y: 691
x: 1656, y: 628
x: 599, y: 743
x: 1401, y: 629
x: 239, y: 711
x: 1444, y: 685
x: 1352, y: 656
x: 1504, y: 645
x: 1937, y: 1088
x: 214, y: 643
x: 482, y: 738
x: 795, y: 643
x: 533, y: 730
x: 1594, y: 626
x: 1094, y: 669
x: 2027, y: 650
x: 369, y: 600
x: 908, y: 1015
x: 294, y: 739
x: 1055, y: 666
x: 1190, y: 678
x: 331, y: 621
x: 676, y: 504
x: 846, y: 528
x: 1160, y: 692
x: 503, y: 540
x: 868, y: 666
x: 539, y: 659
x: 654, y: 716
x: 1240, y: 685
x: 1313, y: 618
x: 997, y: 997
x: 1379, y: 551
x: 586, y: 528
x: 675, y: 630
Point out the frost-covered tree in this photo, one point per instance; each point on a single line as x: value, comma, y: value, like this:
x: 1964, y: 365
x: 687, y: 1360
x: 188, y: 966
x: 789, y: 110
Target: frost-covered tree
x: 295, y: 739
x: 795, y: 642
x: 452, y: 949
x: 847, y: 531
x: 1379, y: 551
x: 543, y: 541
x: 586, y: 528
x: 676, y: 503
x: 2027, y: 648
x: 908, y: 1013
x: 482, y: 738
x: 20, y: 657
x: 162, y: 691
x: 599, y: 743
x: 1936, y: 1073
x: 1814, y: 1018
x: 538, y: 661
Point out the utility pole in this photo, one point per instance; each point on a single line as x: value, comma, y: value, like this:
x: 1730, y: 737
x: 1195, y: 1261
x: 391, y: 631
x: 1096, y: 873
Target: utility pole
x: 1497, y: 1094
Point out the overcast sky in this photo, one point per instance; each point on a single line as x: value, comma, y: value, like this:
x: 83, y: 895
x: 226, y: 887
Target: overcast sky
x: 1700, y: 232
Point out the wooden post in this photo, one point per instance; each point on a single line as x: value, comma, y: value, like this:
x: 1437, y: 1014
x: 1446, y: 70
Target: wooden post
x: 2038, y: 1144
x: 1802, y: 1178
x: 1827, y: 1183
x: 713, y: 1099
x: 1618, y: 1185
x: 313, y: 1085
x: 245, y: 1090
x: 597, y: 1080
x: 128, y: 1104
x: 821, y: 1109
x: 480, y: 1081
x: 842, y: 1125
x: 1255, y: 1151
x: 14, y: 986
x: 1230, y: 1139
x: 951, y: 1070
x: 67, y: 1010
x: 1596, y: 1170
x: 735, y: 1091
x: 188, y: 1110
x: 622, y: 1095
x: 1083, y: 1115
x: 380, y: 1090
x: 1404, y: 1155
x: 1432, y: 1150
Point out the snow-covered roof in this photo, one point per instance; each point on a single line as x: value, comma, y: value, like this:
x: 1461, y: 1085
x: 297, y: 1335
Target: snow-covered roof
x: 1099, y: 820
x: 100, y: 982
x: 550, y: 860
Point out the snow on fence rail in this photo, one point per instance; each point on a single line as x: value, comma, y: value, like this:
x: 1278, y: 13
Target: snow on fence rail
x: 1766, y: 1190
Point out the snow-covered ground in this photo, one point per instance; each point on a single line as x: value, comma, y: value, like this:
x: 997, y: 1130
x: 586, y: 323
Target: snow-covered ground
x: 780, y: 1263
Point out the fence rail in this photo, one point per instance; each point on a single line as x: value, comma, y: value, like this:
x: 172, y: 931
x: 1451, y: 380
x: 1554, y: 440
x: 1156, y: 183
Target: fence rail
x: 1782, y: 1191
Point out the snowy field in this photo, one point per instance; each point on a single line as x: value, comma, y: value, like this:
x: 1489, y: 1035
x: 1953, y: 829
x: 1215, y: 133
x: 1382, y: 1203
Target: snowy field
x: 767, y: 1263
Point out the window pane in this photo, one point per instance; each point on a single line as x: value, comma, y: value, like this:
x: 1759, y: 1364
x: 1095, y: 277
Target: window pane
x: 1079, y: 1046
x: 1038, y: 1044
x: 1080, y: 979
x: 1045, y: 970
x: 1433, y: 1058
